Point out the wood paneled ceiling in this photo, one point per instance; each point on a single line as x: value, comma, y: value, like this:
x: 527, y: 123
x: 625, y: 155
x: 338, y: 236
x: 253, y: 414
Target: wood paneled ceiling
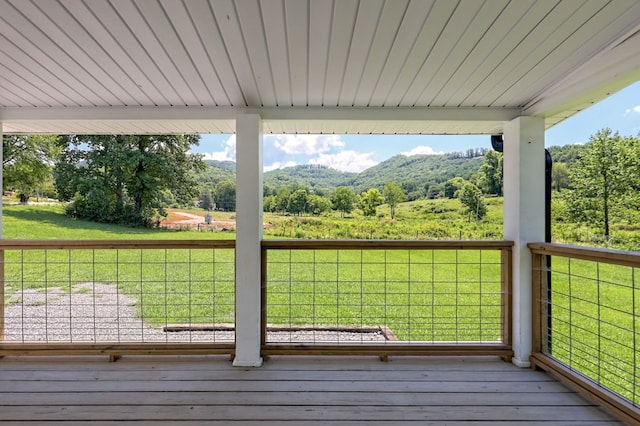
x: 309, y: 66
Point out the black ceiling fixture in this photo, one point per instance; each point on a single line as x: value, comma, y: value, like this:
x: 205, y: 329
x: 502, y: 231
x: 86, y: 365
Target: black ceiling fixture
x: 497, y: 143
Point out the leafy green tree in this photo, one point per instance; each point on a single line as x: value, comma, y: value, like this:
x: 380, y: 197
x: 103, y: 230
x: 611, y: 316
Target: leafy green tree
x: 604, y: 179
x: 369, y: 201
x: 269, y: 204
x: 317, y: 204
x: 393, y: 195
x: 297, y: 202
x: 27, y: 163
x: 206, y: 200
x: 126, y: 179
x: 226, y: 196
x: 560, y: 176
x: 282, y: 199
x: 343, y: 200
x: 434, y: 191
x: 490, y: 176
x: 471, y: 197
x: 452, y: 186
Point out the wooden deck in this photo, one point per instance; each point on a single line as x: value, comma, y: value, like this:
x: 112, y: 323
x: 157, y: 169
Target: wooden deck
x: 287, y: 390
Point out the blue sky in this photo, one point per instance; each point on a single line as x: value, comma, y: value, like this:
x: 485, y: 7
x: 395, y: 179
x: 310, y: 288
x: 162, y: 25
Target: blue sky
x: 354, y: 153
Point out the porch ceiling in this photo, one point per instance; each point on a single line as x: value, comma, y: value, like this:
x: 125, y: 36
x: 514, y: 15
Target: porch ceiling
x: 309, y: 66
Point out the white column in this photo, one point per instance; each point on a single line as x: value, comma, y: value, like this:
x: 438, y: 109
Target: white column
x: 248, y: 238
x: 523, y: 218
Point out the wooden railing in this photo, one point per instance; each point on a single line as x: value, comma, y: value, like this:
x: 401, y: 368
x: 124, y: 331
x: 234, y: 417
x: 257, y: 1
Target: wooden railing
x: 586, y: 322
x: 117, y: 297
x: 386, y: 297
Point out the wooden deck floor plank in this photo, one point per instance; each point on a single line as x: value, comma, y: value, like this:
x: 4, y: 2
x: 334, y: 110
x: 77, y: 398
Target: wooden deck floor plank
x: 269, y: 375
x: 321, y: 423
x: 286, y: 412
x: 338, y: 392
x: 287, y: 386
x: 276, y: 362
x: 346, y: 398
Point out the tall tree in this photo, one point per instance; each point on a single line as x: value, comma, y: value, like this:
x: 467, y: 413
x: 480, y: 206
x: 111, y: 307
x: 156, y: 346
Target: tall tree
x: 317, y: 204
x: 126, y: 179
x: 604, y: 179
x: 393, y: 195
x: 471, y: 197
x: 369, y: 201
x: 560, y: 176
x: 491, y: 173
x: 27, y: 162
x: 226, y: 195
x: 297, y: 202
x: 343, y: 200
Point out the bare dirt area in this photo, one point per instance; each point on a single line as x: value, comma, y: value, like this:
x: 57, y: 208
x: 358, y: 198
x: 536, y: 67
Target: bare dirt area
x: 177, y: 219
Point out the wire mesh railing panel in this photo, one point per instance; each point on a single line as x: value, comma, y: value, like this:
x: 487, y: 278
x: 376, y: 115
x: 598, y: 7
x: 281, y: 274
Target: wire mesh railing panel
x: 592, y: 320
x: 119, y: 295
x: 360, y: 295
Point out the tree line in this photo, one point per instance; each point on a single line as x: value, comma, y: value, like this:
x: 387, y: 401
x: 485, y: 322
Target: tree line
x: 131, y: 179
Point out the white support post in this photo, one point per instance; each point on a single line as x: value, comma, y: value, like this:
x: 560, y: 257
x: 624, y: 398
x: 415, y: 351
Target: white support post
x: 248, y: 239
x: 523, y: 218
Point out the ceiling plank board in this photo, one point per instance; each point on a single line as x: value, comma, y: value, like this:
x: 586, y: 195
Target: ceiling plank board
x: 79, y: 25
x: 420, y: 26
x: 209, y: 32
x: 33, y: 33
x: 197, y: 63
x: 297, y: 27
x: 170, y: 49
x: 321, y: 12
x: 530, y: 50
x: 390, y: 20
x: 447, y: 50
x: 161, y: 69
x: 340, y: 44
x: 570, y: 53
x: 119, y: 41
x: 481, y: 58
x: 465, y: 40
x: 229, y: 27
x: 275, y: 32
x: 253, y: 32
x: 368, y: 17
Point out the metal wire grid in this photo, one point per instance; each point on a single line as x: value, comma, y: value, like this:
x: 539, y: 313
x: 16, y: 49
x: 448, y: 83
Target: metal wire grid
x: 362, y: 296
x: 119, y: 295
x: 594, y: 323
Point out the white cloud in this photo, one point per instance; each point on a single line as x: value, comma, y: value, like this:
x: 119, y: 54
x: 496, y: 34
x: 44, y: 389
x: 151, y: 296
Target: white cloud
x: 635, y: 109
x: 307, y: 144
x: 279, y: 165
x: 228, y: 154
x: 422, y: 150
x: 346, y: 161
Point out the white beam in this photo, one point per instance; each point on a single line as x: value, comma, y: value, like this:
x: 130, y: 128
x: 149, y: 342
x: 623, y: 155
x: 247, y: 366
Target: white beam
x: 159, y: 113
x: 523, y: 218
x: 248, y: 239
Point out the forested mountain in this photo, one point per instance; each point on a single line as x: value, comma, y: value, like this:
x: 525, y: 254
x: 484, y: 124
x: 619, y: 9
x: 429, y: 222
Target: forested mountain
x: 322, y: 179
x: 417, y: 171
x: 415, y: 174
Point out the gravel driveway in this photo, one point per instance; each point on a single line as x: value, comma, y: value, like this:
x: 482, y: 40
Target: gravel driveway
x: 95, y: 312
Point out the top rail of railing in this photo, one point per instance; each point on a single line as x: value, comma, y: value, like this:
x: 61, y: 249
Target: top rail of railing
x: 616, y: 257
x: 385, y: 244
x: 114, y: 244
